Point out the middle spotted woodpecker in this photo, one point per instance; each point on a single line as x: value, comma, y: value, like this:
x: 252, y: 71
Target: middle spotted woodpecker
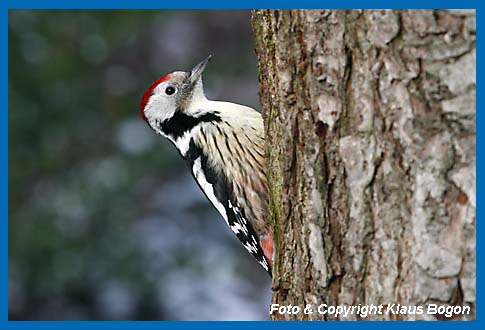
x: 222, y: 143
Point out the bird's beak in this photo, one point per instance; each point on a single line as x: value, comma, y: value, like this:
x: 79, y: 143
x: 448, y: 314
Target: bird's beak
x: 198, y: 69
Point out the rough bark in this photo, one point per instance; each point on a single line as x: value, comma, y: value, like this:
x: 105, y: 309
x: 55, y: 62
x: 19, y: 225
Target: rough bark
x: 370, y: 126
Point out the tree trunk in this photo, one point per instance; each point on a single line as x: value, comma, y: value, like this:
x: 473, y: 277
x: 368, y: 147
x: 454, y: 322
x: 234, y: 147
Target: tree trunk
x: 370, y: 127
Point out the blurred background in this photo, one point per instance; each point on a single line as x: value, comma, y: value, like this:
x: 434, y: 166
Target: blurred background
x: 105, y: 221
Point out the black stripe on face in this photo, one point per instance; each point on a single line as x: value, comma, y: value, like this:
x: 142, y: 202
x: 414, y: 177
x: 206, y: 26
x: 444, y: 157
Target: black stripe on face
x: 181, y: 123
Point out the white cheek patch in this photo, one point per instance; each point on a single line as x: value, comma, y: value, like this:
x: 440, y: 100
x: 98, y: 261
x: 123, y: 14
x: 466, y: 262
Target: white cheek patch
x: 208, y: 188
x: 159, y: 108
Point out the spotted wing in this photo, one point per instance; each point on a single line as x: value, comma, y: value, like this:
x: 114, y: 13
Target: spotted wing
x: 220, y: 193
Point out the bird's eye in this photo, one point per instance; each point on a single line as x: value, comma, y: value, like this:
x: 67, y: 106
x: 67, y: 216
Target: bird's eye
x: 170, y: 90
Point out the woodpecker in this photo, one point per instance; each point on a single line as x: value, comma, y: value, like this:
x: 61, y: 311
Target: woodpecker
x: 222, y: 144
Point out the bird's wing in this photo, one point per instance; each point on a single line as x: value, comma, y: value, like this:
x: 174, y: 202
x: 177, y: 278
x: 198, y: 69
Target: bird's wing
x: 219, y: 191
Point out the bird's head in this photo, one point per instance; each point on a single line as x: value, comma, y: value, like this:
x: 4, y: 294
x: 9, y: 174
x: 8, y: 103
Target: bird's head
x: 173, y: 92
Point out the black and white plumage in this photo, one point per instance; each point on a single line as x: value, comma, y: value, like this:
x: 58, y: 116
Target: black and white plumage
x: 222, y: 143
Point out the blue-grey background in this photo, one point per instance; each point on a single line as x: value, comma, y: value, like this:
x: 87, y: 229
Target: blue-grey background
x: 105, y: 221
